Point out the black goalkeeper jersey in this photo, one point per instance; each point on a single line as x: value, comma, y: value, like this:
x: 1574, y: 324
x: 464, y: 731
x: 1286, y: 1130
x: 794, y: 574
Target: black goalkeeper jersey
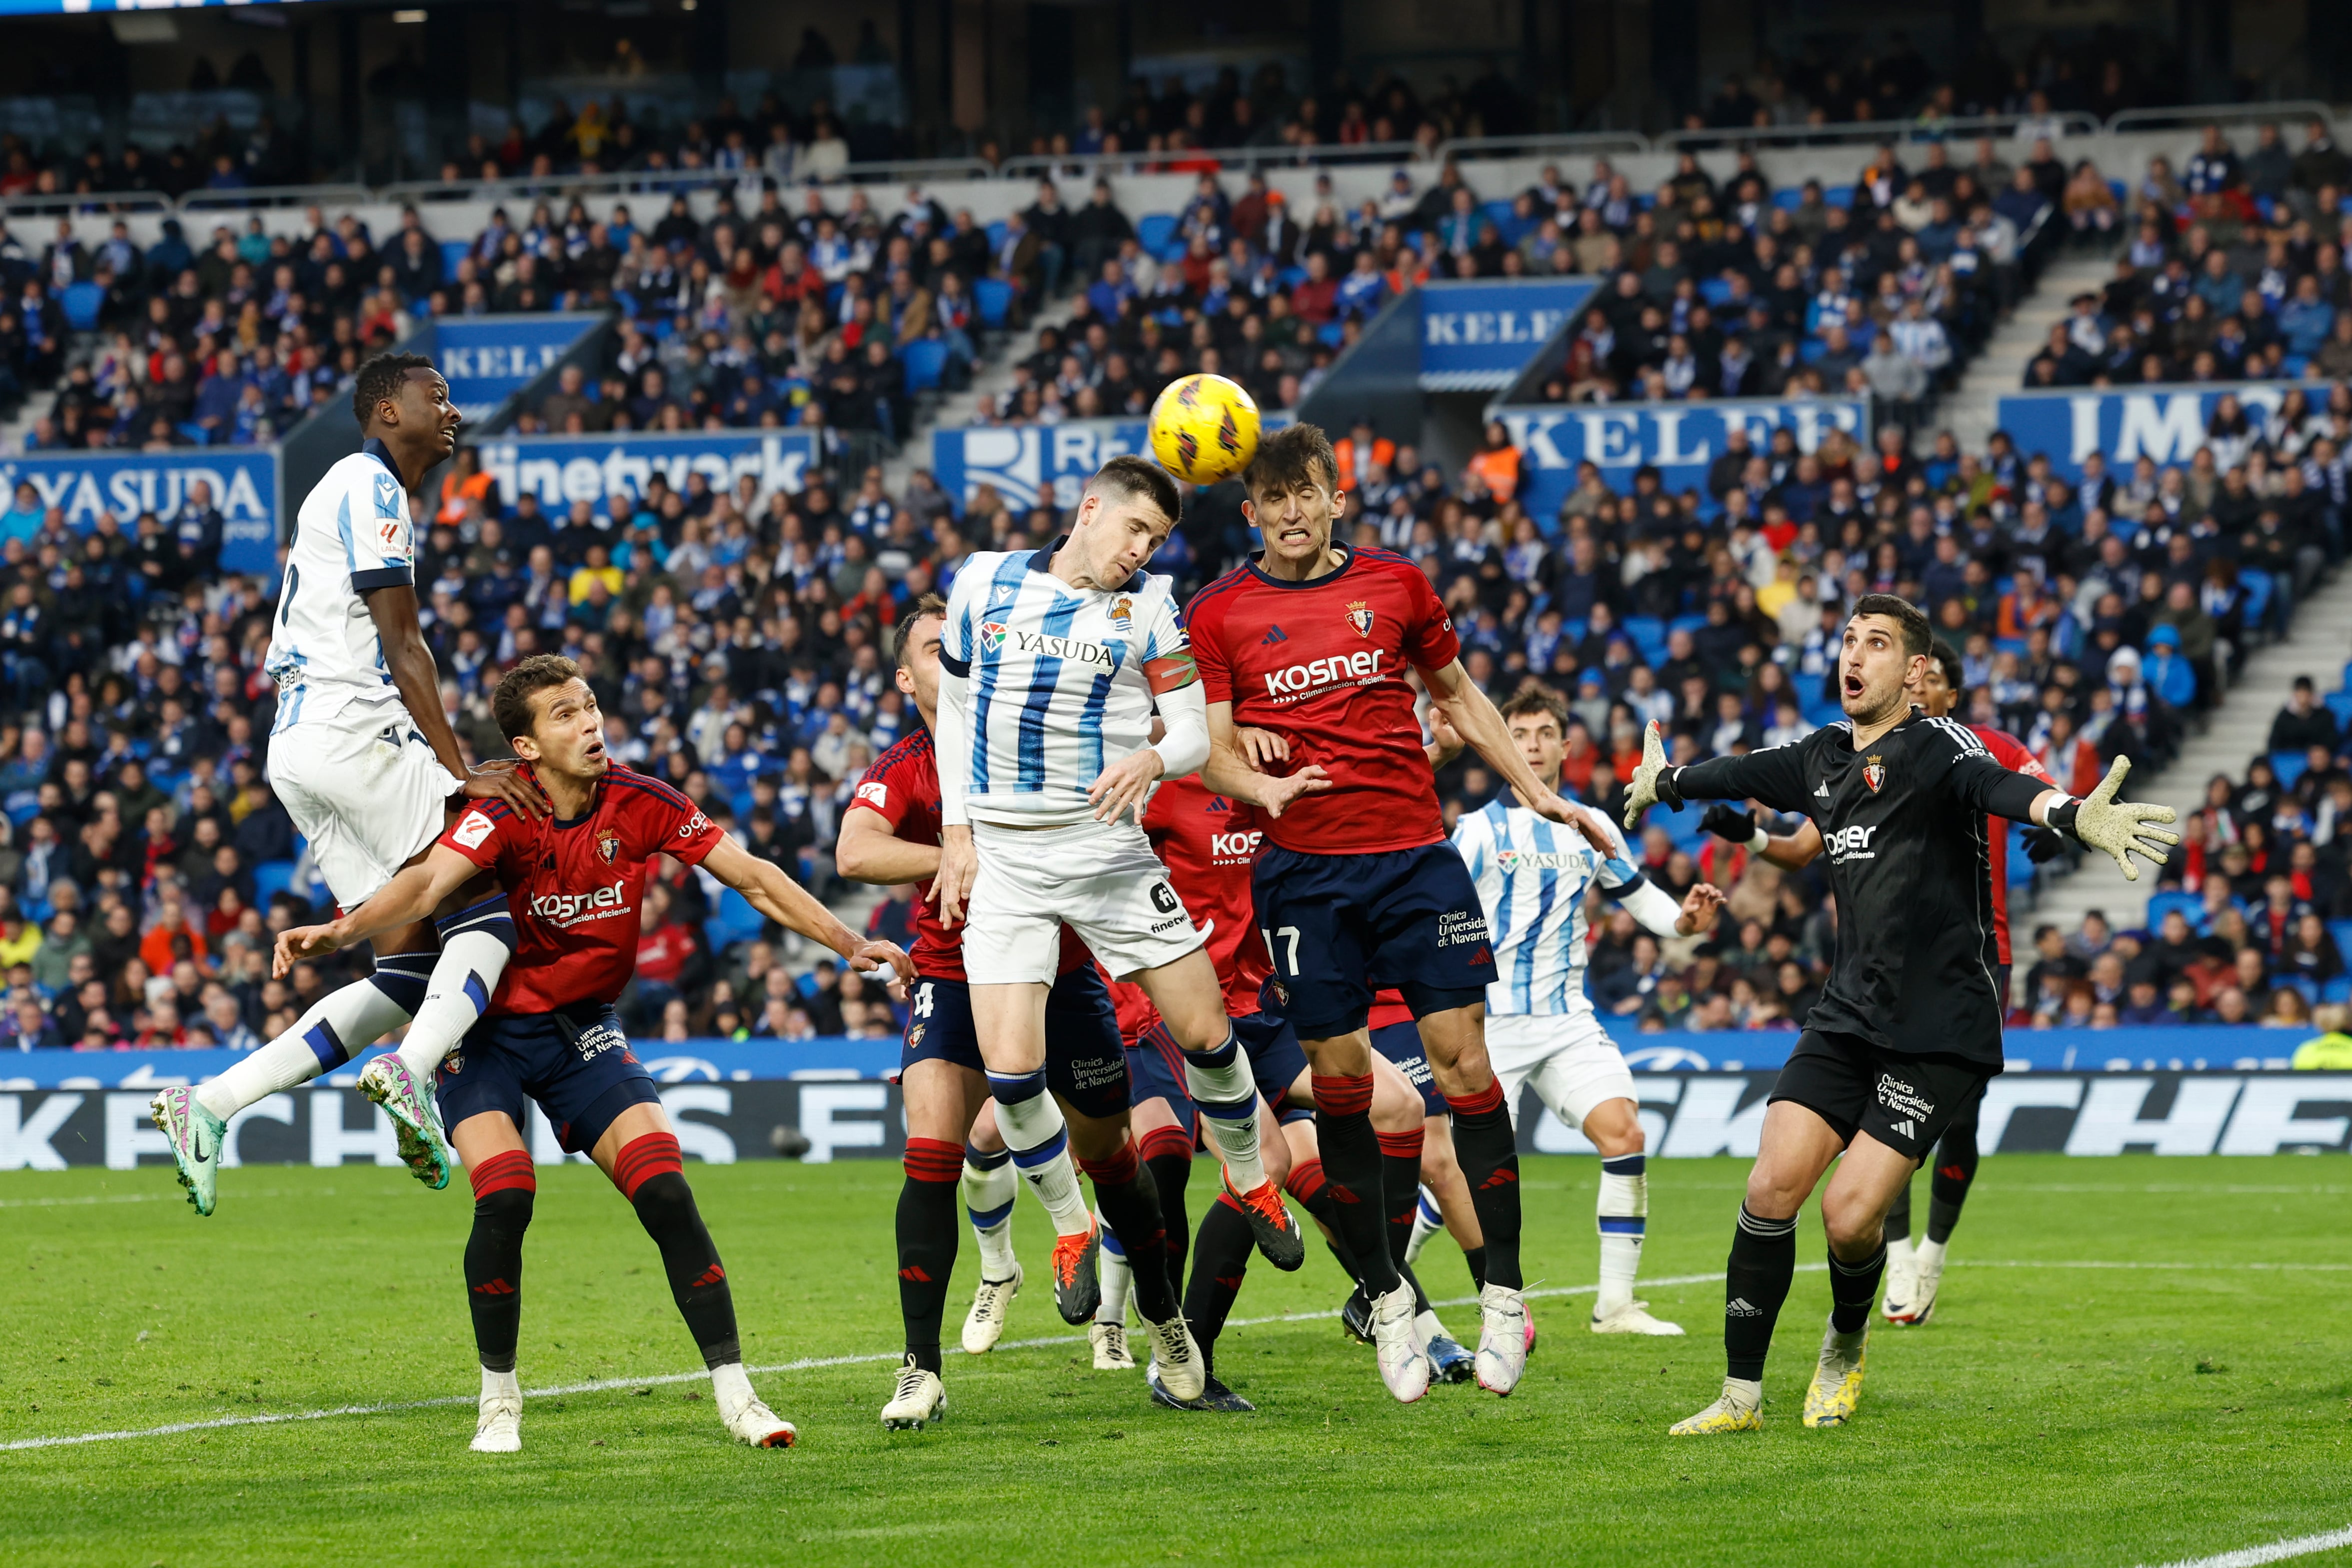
x: 1902, y: 826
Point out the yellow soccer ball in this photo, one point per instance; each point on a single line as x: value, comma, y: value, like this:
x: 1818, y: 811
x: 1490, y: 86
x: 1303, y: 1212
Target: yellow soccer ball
x: 1204, y: 429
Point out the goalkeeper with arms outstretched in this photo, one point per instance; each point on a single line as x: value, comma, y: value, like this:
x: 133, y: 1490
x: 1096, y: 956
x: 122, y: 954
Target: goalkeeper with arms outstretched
x: 1907, y: 1028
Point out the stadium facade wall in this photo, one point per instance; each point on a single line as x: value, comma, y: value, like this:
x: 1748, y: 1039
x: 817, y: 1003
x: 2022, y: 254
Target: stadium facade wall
x: 2164, y: 424
x: 1685, y: 1115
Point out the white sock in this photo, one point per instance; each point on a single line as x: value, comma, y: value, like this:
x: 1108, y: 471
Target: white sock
x: 1426, y: 1222
x: 988, y: 1194
x: 338, y: 1025
x: 731, y: 1387
x: 1622, y: 1215
x: 1118, y: 1277
x: 473, y: 956
x: 1746, y: 1393
x: 1930, y: 1256
x: 1040, y: 1141
x: 1426, y: 1327
x: 500, y: 1384
x: 1220, y: 1083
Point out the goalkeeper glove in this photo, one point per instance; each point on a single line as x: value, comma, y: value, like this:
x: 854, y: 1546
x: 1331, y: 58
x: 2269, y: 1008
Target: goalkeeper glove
x: 1726, y: 820
x: 1654, y: 781
x: 2118, y: 827
x: 2043, y: 845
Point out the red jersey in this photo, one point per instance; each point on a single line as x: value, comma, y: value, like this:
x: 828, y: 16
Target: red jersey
x: 903, y: 788
x: 2012, y: 754
x: 577, y: 888
x: 1208, y: 843
x: 1323, y: 664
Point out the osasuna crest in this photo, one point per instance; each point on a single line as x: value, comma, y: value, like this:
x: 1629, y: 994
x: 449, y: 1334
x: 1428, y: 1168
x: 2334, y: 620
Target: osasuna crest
x: 1874, y: 772
x: 608, y: 844
x: 1360, y: 616
x: 992, y: 636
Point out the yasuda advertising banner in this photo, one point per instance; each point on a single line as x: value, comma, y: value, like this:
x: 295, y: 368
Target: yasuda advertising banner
x: 2166, y: 425
x: 486, y: 359
x: 241, y: 481
x: 1681, y: 439
x: 1478, y: 335
x: 562, y: 469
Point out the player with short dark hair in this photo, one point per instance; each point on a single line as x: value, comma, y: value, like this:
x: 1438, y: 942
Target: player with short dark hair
x: 890, y: 833
x: 1914, y: 1277
x: 1907, y: 1028
x: 548, y: 1036
x: 1357, y: 889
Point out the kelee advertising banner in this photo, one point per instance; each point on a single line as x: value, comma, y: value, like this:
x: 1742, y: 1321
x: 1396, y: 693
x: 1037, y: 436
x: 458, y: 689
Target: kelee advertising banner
x: 1680, y: 439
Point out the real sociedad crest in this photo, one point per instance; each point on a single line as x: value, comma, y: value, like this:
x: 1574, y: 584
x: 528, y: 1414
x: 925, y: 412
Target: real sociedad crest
x: 1122, y: 610
x: 1360, y: 616
x: 1874, y: 773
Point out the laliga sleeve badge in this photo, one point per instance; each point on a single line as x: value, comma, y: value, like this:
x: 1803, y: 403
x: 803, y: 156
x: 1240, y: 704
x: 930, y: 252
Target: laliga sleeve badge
x: 1874, y: 772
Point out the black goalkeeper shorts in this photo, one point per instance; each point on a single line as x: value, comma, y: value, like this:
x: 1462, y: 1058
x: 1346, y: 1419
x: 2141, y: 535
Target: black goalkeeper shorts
x: 1903, y: 1102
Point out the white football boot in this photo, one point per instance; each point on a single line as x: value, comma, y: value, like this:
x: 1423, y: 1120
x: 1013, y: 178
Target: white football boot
x: 1503, y: 1339
x: 1404, y: 1366
x: 498, y: 1423
x: 920, y: 1398
x: 984, y: 1325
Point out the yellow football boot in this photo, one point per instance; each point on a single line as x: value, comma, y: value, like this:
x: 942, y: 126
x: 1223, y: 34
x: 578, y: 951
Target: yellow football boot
x: 1738, y: 1410
x: 1837, y: 1381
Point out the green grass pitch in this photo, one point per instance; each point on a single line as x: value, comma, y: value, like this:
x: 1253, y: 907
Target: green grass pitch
x: 2190, y: 1399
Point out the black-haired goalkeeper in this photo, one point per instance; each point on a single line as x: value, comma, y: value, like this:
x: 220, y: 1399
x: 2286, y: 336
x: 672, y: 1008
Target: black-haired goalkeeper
x: 1907, y: 1028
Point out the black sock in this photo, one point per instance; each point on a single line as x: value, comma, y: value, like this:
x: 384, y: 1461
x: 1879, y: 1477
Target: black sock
x: 1755, y: 1284
x: 697, y: 1281
x: 494, y: 1274
x: 1420, y: 1296
x: 1350, y: 1177
x: 1219, y: 1258
x: 1401, y: 1185
x: 929, y: 1235
x: 1476, y: 1257
x: 1131, y: 1209
x: 1490, y: 1152
x: 1854, y: 1286
x: 1947, y: 1187
x: 1898, y: 1218
x: 1168, y: 1175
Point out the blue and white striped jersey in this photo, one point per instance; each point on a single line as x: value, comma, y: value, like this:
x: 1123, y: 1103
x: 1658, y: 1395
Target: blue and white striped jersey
x: 351, y: 536
x: 1059, y: 688
x: 1532, y: 876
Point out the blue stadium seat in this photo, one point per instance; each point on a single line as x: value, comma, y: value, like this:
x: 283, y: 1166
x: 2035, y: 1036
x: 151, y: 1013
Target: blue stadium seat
x: 2340, y: 704
x: 1690, y: 623
x: 2341, y: 931
x: 81, y: 301
x: 2257, y: 587
x: 1153, y: 230
x: 2339, y: 989
x: 271, y: 878
x: 2161, y: 903
x: 734, y: 920
x: 1819, y: 711
x: 1716, y: 291
x: 2288, y: 765
x: 454, y: 251
x: 1330, y: 332
x: 996, y: 233
x: 926, y: 360
x: 1291, y: 276
x: 2021, y: 869
x: 1649, y: 634
x: 995, y: 297
x: 1838, y: 195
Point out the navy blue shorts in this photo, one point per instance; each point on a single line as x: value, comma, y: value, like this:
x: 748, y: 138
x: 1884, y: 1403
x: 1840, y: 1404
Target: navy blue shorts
x: 1342, y: 927
x: 1085, y: 1064
x: 1277, y: 1059
x: 576, y: 1066
x: 1400, y: 1043
x: 1155, y: 1071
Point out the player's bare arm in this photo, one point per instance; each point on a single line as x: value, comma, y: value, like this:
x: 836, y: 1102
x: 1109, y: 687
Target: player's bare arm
x: 411, y: 896
x: 1790, y: 851
x: 1232, y: 771
x: 1456, y: 698
x: 868, y: 851
x: 794, y: 908
x: 1446, y: 742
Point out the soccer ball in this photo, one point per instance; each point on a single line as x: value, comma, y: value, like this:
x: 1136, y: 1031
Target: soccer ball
x: 1204, y: 429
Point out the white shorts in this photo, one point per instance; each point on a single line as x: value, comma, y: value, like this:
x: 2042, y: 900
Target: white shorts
x: 1099, y: 879
x: 366, y: 801
x: 1570, y: 1059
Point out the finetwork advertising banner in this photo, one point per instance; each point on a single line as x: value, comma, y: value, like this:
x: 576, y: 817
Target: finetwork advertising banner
x: 241, y: 481
x: 1478, y: 335
x: 1680, y: 439
x: 562, y: 469
x: 1683, y: 1115
x: 2165, y: 424
x: 486, y: 359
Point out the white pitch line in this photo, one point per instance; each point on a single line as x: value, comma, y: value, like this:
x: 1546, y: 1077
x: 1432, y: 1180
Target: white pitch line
x: 75, y: 1202
x: 809, y: 1363
x: 2276, y: 1551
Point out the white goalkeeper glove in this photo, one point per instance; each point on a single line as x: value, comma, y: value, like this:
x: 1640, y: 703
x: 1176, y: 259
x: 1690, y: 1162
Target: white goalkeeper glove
x: 2119, y: 827
x: 1653, y: 780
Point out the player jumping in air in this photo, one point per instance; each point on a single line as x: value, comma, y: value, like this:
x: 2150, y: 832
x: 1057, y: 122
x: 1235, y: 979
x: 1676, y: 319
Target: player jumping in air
x: 1358, y: 888
x: 365, y: 761
x: 1914, y: 1277
x: 1540, y: 1027
x: 1051, y: 660
x: 1907, y: 1028
x: 549, y: 1036
x: 890, y: 833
